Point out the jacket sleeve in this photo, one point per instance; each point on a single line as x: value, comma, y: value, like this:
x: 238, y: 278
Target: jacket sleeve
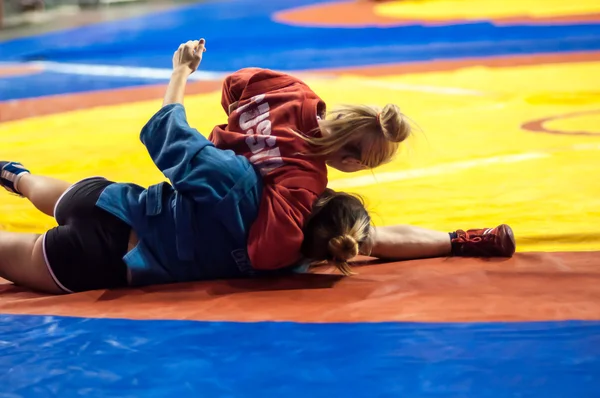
x: 234, y: 85
x: 191, y: 162
x: 276, y: 236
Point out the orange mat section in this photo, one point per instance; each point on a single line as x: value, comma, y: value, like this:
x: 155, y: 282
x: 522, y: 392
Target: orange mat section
x: 528, y: 287
x: 368, y: 13
x: 18, y: 70
x: 30, y: 107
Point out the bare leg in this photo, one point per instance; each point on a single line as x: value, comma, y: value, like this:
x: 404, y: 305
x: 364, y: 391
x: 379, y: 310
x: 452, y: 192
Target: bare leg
x: 22, y: 262
x: 42, y: 191
x: 406, y: 242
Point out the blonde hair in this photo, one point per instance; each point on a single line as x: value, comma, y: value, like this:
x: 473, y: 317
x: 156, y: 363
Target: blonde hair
x: 339, y: 227
x: 373, y: 133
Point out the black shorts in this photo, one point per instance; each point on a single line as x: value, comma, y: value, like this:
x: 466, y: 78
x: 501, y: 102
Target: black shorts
x: 85, y: 251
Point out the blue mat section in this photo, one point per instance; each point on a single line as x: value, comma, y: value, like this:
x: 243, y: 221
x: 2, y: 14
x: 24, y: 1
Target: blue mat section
x: 242, y: 33
x: 54, y: 356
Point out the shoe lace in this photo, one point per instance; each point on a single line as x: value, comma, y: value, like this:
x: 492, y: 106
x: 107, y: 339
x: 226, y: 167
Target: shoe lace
x: 465, y: 238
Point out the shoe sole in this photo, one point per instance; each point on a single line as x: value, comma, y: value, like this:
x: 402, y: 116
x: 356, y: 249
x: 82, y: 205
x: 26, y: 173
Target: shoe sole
x: 508, y: 245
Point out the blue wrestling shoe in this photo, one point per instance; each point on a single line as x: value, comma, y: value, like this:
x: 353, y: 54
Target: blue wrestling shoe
x: 10, y: 174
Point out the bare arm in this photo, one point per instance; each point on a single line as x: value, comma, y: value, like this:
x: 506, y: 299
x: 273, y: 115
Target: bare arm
x: 405, y: 242
x: 186, y: 60
x: 176, y: 88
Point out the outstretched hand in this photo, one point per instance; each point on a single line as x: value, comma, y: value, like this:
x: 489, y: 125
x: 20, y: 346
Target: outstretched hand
x: 189, y: 55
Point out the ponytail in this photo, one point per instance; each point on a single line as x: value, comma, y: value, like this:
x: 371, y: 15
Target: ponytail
x: 374, y: 133
x: 339, y: 226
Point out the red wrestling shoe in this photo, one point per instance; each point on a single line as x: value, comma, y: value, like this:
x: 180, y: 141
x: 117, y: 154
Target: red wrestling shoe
x: 489, y: 242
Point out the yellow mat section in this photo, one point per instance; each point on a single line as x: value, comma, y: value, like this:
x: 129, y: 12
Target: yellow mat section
x: 469, y: 165
x: 489, y: 9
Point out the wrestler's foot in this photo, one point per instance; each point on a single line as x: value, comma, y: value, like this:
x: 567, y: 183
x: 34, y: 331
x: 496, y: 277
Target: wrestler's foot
x: 489, y: 242
x: 10, y: 173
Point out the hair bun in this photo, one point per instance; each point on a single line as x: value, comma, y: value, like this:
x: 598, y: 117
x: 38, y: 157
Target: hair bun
x: 394, y: 125
x: 343, y: 247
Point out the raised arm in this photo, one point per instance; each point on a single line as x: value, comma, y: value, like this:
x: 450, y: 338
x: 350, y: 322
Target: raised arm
x: 186, y: 60
x: 172, y: 144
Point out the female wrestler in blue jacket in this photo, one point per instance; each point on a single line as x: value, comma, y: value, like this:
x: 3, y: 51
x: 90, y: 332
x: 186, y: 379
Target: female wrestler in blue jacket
x: 116, y: 234
x: 193, y: 228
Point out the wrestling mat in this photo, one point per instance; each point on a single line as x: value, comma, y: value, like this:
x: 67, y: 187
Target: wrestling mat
x: 506, y: 99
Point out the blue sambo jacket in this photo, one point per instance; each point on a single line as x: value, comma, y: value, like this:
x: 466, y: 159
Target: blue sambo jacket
x: 196, y: 227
